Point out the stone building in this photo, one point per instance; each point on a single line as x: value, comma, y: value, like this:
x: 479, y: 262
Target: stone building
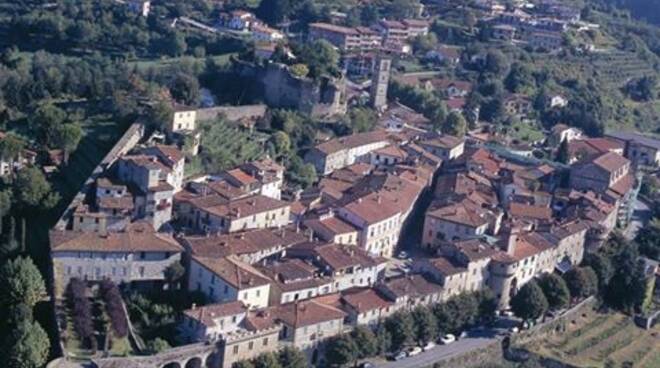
x: 341, y: 152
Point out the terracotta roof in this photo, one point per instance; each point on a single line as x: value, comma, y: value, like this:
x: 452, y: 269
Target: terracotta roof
x: 464, y: 212
x: 392, y: 151
x: 241, y: 176
x: 339, y: 257
x: 608, y: 161
x: 107, y: 183
x: 122, y: 203
x: 623, y: 185
x: 475, y: 249
x: 261, y: 319
x: 457, y: 103
x: 365, y: 300
x: 530, y: 211
x: 411, y: 285
x: 334, y: 28
x: 137, y: 237
x: 245, y: 242
x: 446, y: 83
x: 307, y: 313
x: 238, y: 208
x: 446, y: 266
x: 445, y: 141
x: 171, y: 154
x: 373, y: 208
x: 208, y: 314
x: 236, y: 273
x: 637, y: 138
x: 352, y: 141
x: 333, y: 225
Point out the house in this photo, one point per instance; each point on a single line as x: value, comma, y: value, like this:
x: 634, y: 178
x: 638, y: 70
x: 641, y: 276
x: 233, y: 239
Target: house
x: 557, y: 101
x: 446, y: 147
x: 294, y: 280
x: 137, y: 256
x: 341, y: 152
x: 141, y: 7
x: 503, y: 32
x: 263, y: 33
x: 331, y: 228
x: 210, y: 322
x: 345, y: 38
x: 517, y: 104
x: 184, y: 119
x: 366, y: 307
x: 588, y: 147
x: 451, y: 220
x: 642, y: 150
x: 451, y: 88
x: 307, y: 324
x: 238, y: 20
x: 561, y: 132
x: 546, y: 40
x: 599, y: 173
x: 227, y: 279
x: 411, y: 291
x: 445, y: 54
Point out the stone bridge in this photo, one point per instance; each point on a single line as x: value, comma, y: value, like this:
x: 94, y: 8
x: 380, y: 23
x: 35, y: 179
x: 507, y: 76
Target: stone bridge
x: 200, y: 355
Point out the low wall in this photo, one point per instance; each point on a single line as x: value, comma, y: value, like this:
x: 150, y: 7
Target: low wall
x: 492, y: 353
x: 233, y: 113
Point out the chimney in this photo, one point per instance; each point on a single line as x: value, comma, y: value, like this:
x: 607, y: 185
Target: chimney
x: 511, y: 238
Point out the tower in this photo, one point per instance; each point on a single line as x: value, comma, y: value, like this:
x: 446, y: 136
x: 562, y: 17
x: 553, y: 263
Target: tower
x: 379, y: 83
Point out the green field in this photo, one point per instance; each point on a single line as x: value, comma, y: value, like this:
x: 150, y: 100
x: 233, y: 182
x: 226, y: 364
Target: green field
x: 145, y: 64
x: 594, y: 339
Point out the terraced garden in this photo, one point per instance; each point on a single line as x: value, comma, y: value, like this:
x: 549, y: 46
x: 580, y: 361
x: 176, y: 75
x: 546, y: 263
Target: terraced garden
x: 597, y: 340
x: 224, y: 146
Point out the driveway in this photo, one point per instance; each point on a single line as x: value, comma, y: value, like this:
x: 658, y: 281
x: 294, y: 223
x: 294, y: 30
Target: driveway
x: 440, y: 353
x: 640, y: 217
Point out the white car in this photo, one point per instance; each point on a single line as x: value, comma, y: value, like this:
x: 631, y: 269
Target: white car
x: 429, y: 345
x: 447, y: 339
x: 514, y: 330
x: 414, y: 351
x: 403, y: 255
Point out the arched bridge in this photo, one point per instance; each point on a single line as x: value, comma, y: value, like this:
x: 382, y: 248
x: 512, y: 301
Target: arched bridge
x: 200, y: 355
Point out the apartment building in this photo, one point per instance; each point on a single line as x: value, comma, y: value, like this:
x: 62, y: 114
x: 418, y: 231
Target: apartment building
x: 643, y: 151
x: 446, y: 147
x: 345, y: 38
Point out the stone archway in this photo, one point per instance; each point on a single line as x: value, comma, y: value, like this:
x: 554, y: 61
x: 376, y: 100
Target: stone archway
x: 195, y: 362
x: 172, y: 365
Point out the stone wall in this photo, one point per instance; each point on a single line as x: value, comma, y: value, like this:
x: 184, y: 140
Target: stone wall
x: 233, y: 113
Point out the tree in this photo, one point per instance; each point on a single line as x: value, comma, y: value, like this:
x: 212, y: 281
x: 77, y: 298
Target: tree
x: 520, y: 79
x: 161, y: 114
x: 627, y: 286
x: 243, y: 364
x: 174, y: 273
x: 321, y: 58
x: 563, y: 155
x: 299, y: 70
x: 496, y: 63
x: 341, y: 351
x: 400, y: 9
x: 366, y: 342
x: 175, y: 44
x: 33, y: 191
x: 291, y: 357
x: 488, y: 304
x: 529, y: 302
x: 602, y: 266
x: 581, y: 281
x: 383, y: 340
x: 267, y: 360
x: 157, y: 345
x: 67, y: 138
x: 26, y: 346
x: 45, y: 122
x: 275, y: 11
x: 361, y: 119
x: 401, y: 328
x: 21, y: 282
x: 11, y: 146
x: 555, y: 291
x: 648, y: 239
x: 281, y: 144
x: 185, y: 89
x: 425, y: 324
x: 455, y: 124
x: 424, y: 43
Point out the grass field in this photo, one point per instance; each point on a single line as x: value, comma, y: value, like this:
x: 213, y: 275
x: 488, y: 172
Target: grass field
x: 168, y: 61
x: 595, y: 339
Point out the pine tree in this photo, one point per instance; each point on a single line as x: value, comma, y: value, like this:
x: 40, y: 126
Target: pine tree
x: 563, y: 155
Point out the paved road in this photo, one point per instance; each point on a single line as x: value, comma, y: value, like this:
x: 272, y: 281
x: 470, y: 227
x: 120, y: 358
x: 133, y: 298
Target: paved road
x: 640, y: 217
x: 440, y: 353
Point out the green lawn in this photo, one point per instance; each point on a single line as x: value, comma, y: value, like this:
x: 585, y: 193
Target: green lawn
x: 526, y: 132
x: 145, y: 64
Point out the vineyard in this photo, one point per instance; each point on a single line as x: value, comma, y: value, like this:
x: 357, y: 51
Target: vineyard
x: 224, y: 146
x: 598, y: 340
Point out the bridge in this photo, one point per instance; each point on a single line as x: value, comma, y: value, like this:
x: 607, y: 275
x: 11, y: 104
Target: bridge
x: 201, y: 355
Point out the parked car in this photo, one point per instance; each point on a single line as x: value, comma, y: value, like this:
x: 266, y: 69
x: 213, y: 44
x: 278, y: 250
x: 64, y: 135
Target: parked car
x: 366, y: 365
x: 414, y: 351
x: 463, y: 335
x: 429, y: 345
x: 514, y: 330
x: 447, y: 339
x: 397, y: 356
x: 506, y: 313
x: 402, y: 255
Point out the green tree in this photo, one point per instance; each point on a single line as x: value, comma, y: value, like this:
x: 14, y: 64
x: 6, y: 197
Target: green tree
x: 399, y: 9
x: 157, y: 345
x: 161, y: 114
x: 185, y: 89
x: 401, y: 328
x: 366, y: 342
x: 175, y: 44
x: 67, y: 138
x: 648, y: 239
x: 425, y: 324
x: 321, y: 58
x: 627, y: 287
x: 267, y: 360
x: 496, y: 63
x: 488, y: 304
x: 581, y: 281
x: 5, y: 205
x: 563, y: 155
x: 11, y: 146
x: 299, y: 70
x: 21, y: 282
x: 455, y: 125
x: 424, y: 43
x: 291, y: 357
x: 383, y: 340
x: 520, y: 79
x: 45, y: 122
x: 275, y: 11
x: 33, y: 191
x: 555, y: 291
x: 243, y: 364
x: 281, y: 144
x: 361, y: 119
x: 173, y: 273
x: 341, y: 351
x: 529, y: 302
x: 26, y: 346
x: 602, y: 266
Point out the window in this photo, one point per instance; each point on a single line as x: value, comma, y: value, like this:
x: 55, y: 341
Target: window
x: 233, y: 319
x: 143, y: 255
x: 212, y: 279
x: 250, y: 345
x: 258, y: 293
x: 141, y: 271
x: 245, y: 295
x: 265, y: 342
x: 226, y: 289
x: 235, y: 349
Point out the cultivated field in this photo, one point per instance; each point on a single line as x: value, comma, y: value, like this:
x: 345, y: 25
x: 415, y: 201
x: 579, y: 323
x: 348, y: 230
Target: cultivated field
x: 595, y: 340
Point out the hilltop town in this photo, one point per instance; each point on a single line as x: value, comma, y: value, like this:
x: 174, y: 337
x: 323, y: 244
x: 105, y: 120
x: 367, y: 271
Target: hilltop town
x: 351, y: 184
